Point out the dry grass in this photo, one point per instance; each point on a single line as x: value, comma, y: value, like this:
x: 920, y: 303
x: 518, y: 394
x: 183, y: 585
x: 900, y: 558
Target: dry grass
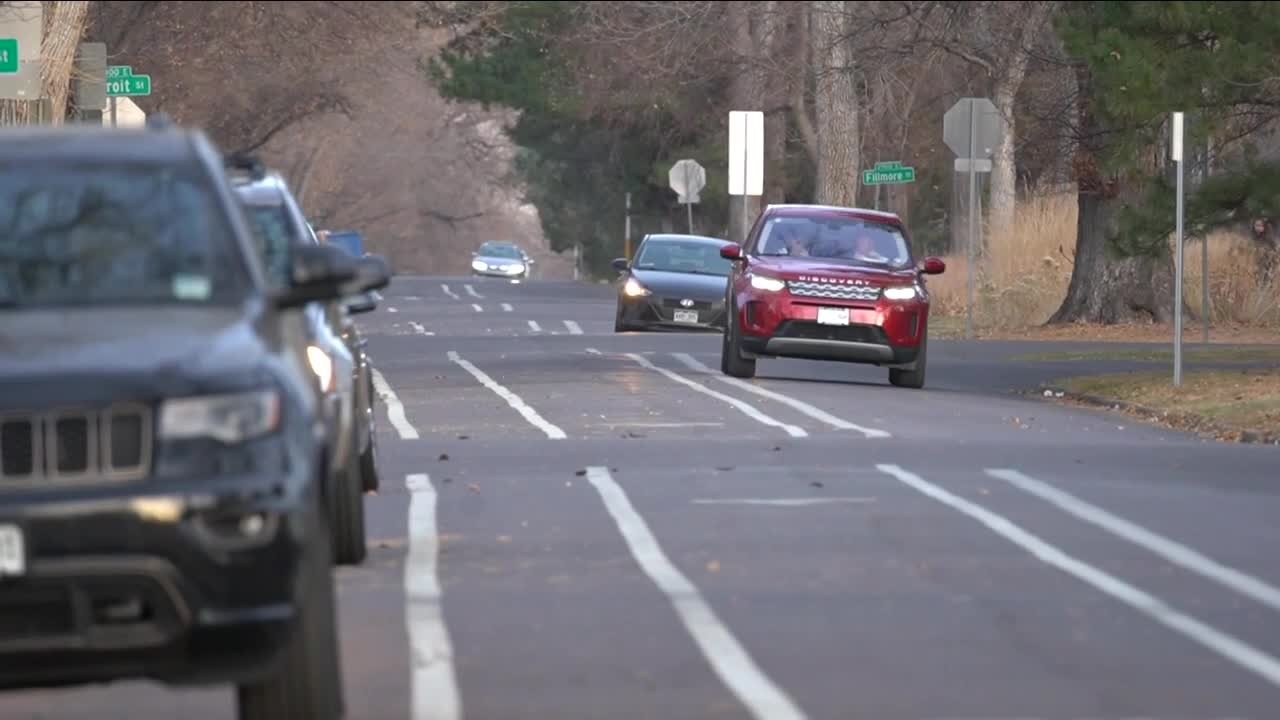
x: 1025, y: 278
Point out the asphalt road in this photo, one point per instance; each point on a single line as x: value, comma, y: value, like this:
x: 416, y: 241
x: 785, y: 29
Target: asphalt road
x: 579, y: 525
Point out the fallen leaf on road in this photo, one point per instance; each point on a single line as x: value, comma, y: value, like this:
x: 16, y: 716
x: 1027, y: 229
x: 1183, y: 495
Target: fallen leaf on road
x: 464, y: 437
x: 504, y: 538
x: 816, y: 484
x: 473, y: 487
x: 444, y: 457
x: 713, y: 566
x: 448, y: 480
x: 580, y: 473
x: 725, y: 468
x: 777, y: 448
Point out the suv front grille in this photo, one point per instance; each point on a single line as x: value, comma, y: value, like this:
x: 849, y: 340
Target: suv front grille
x: 112, y: 444
x: 833, y: 291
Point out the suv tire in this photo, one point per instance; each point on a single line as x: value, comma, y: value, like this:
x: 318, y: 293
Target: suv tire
x: 731, y: 361
x: 350, y: 547
x: 307, y: 681
x: 913, y: 377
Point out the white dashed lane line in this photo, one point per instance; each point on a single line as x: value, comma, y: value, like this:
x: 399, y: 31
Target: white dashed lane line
x: 1229, y: 647
x: 534, y: 326
x: 449, y: 292
x: 799, y: 405
x: 519, y: 405
x: 472, y: 292
x: 417, y: 327
x: 434, y: 683
x: 477, y: 308
x: 506, y: 307
x: 573, y: 327
x: 395, y: 409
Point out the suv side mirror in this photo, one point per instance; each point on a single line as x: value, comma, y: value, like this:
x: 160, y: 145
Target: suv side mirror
x: 620, y: 264
x: 933, y: 266
x: 318, y: 273
x: 732, y: 251
x: 363, y: 303
x: 372, y: 273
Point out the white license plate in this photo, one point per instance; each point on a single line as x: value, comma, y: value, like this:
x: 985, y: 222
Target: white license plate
x: 686, y: 316
x: 833, y: 316
x: 13, y: 552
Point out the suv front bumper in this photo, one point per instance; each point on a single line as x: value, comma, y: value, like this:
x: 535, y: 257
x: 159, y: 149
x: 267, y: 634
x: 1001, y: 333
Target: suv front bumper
x: 195, y: 585
x: 884, y: 333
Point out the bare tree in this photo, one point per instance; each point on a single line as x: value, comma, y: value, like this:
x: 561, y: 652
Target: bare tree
x: 836, y: 104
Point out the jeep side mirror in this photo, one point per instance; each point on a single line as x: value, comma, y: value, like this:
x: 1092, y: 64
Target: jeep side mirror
x: 732, y: 251
x: 933, y: 266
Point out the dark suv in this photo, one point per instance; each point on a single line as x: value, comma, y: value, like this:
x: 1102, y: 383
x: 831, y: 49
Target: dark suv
x: 828, y: 283
x: 162, y: 513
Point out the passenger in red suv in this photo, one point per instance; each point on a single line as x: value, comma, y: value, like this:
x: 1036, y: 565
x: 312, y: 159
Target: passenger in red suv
x: 828, y: 283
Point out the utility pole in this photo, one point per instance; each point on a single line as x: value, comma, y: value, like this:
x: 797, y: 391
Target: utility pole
x: 626, y: 247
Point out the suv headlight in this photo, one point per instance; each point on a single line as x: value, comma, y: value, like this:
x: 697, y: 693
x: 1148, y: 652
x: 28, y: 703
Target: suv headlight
x: 322, y: 365
x: 634, y: 289
x: 766, y: 283
x: 904, y: 292
x: 231, y: 419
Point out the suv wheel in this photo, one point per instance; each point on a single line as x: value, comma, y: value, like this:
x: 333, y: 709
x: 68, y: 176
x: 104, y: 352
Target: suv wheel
x: 307, y: 682
x: 369, y: 480
x: 349, y: 543
x: 913, y: 377
x: 731, y: 361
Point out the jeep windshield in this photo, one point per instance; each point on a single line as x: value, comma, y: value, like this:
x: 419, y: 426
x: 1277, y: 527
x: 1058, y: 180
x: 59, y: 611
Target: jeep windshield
x: 845, y: 240
x: 94, y: 234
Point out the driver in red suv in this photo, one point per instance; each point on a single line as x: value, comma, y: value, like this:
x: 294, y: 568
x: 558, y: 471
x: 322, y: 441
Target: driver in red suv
x: 828, y: 283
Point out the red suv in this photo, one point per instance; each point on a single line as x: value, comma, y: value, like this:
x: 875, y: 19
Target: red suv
x: 828, y: 283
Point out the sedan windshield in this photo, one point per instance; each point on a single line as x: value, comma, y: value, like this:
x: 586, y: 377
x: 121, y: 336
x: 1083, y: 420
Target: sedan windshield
x: 682, y: 256
x: 93, y: 235
x: 852, y: 240
x: 500, y: 251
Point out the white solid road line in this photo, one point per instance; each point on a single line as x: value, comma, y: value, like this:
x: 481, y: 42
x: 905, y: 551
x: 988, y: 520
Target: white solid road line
x: 750, y: 411
x: 782, y: 502
x: 395, y: 409
x: 533, y: 325
x: 476, y: 307
x: 804, y: 407
x: 417, y: 327
x: 572, y: 327
x: 1246, y: 656
x: 472, y: 292
x: 1166, y: 548
x: 726, y: 656
x: 435, y: 684
x: 506, y: 307
x: 512, y: 399
x: 449, y: 292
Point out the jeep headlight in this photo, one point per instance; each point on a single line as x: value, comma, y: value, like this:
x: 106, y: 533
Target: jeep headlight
x: 766, y: 283
x: 232, y: 418
x: 904, y: 292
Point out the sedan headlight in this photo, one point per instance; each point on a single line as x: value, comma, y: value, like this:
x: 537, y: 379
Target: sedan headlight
x: 769, y: 284
x: 515, y: 269
x: 479, y: 265
x: 322, y: 365
x: 231, y: 419
x: 904, y: 292
x: 632, y: 288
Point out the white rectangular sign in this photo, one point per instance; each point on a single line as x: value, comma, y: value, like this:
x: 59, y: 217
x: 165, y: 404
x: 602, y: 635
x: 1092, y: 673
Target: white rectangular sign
x: 980, y: 165
x: 13, y: 553
x: 1177, y: 137
x: 746, y: 153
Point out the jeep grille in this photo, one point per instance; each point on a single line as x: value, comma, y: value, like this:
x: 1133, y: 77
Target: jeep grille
x: 76, y: 444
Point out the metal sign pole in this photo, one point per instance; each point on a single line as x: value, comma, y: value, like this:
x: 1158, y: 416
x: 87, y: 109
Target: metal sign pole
x: 973, y: 214
x: 1177, y: 282
x: 113, y: 111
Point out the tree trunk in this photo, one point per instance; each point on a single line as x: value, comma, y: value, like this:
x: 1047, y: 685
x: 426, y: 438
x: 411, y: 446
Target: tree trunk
x: 744, y: 94
x: 1004, y: 166
x: 837, y: 106
x: 771, y: 41
x: 1105, y: 288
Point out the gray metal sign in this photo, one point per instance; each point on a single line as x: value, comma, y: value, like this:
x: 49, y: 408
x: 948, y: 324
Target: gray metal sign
x: 22, y: 23
x: 973, y: 120
x: 89, y: 85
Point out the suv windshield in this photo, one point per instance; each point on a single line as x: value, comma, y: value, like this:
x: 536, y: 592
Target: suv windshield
x: 87, y: 234
x: 682, y: 256
x: 500, y: 251
x: 273, y: 233
x: 856, y: 241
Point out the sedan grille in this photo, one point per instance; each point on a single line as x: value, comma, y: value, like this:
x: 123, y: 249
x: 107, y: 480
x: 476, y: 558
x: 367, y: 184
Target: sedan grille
x: 112, y: 444
x: 833, y: 291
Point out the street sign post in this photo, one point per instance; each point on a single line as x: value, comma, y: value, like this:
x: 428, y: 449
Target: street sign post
x: 972, y: 128
x: 121, y: 82
x: 746, y: 158
x: 1176, y: 156
x: 687, y: 178
x: 888, y: 173
x: 8, y: 56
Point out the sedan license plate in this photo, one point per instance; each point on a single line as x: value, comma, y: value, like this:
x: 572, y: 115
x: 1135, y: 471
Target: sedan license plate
x: 833, y: 316
x: 13, y: 552
x: 686, y: 316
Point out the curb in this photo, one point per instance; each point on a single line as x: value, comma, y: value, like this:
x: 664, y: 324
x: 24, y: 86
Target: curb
x: 1187, y: 422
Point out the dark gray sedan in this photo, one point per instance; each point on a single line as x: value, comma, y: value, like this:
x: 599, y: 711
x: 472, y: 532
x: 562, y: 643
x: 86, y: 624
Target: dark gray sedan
x: 501, y: 259
x: 676, y: 282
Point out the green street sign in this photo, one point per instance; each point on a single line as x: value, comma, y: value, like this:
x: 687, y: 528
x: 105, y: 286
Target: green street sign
x: 8, y: 56
x: 115, y: 72
x: 888, y: 173
x: 131, y: 86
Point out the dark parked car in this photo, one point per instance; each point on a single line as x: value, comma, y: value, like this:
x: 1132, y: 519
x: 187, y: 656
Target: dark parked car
x: 163, y: 512
x: 336, y: 354
x: 675, y: 282
x: 828, y: 283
